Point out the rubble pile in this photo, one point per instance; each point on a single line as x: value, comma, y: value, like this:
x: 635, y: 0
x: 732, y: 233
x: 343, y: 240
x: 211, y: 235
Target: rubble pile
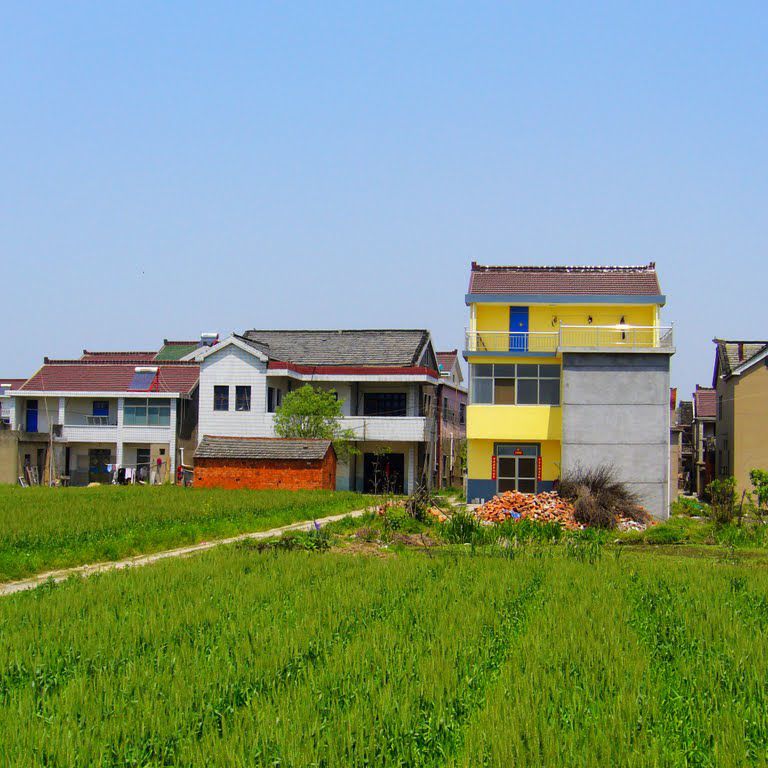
x: 545, y: 507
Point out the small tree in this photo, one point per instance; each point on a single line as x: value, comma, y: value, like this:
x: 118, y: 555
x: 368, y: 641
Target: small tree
x: 759, y: 478
x: 315, y: 414
x: 723, y: 495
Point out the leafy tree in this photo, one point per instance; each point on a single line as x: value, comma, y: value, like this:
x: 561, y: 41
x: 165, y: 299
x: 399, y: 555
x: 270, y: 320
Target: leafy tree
x: 310, y: 413
x: 723, y: 495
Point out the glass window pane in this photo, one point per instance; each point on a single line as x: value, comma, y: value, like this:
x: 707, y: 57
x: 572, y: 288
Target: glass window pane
x: 506, y: 485
x: 506, y: 467
x: 504, y: 391
x: 482, y: 391
x: 549, y: 371
x: 526, y: 467
x: 549, y: 392
x: 483, y: 369
x: 526, y: 486
x: 505, y: 370
x: 527, y: 370
x: 527, y: 392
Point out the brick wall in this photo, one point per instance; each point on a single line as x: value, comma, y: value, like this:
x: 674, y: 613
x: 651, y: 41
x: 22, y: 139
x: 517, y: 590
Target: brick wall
x: 266, y: 474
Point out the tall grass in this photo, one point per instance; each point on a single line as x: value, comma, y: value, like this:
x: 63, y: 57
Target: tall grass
x: 294, y: 659
x: 47, y: 528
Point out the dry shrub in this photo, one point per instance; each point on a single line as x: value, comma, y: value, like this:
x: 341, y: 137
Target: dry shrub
x: 598, y: 497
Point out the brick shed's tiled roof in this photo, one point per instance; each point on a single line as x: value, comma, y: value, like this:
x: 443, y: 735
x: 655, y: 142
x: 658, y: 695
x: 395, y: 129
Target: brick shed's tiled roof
x: 588, y: 281
x: 705, y: 402
x: 261, y: 448
x: 101, y: 376
x: 400, y: 348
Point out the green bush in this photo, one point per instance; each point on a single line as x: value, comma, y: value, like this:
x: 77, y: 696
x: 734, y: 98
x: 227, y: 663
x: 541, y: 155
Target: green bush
x: 462, y: 528
x: 723, y: 495
x: 689, y: 508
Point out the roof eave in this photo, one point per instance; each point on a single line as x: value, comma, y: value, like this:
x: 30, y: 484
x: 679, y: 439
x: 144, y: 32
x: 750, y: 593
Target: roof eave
x: 564, y: 298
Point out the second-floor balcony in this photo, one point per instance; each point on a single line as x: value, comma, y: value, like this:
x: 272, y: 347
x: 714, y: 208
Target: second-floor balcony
x: 394, y: 428
x: 616, y: 338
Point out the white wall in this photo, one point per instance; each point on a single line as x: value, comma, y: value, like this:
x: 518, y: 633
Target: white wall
x: 229, y: 367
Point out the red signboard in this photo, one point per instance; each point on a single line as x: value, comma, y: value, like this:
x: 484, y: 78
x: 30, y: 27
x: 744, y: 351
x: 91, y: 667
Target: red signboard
x: 493, y: 467
x: 518, y: 451
x: 538, y: 468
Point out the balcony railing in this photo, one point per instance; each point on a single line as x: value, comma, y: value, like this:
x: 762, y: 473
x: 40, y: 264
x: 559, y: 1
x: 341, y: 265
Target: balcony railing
x: 572, y: 337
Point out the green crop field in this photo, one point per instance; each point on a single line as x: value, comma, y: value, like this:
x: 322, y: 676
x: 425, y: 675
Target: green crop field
x: 46, y: 528
x: 439, y: 658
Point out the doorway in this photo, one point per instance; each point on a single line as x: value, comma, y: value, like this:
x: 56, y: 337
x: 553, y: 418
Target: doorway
x: 517, y: 468
x: 98, y: 458
x: 384, y: 473
x: 30, y: 424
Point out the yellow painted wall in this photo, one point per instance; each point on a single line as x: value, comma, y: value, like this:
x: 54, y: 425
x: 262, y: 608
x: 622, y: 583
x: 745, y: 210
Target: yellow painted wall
x: 512, y: 423
x: 495, y: 317
x: 750, y: 425
x: 480, y: 452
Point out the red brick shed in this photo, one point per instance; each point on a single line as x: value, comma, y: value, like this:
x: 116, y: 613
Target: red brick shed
x: 262, y: 463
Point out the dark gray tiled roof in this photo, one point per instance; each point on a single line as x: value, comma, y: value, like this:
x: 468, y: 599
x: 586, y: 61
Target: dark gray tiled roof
x: 261, y: 448
x: 343, y: 347
x: 731, y: 354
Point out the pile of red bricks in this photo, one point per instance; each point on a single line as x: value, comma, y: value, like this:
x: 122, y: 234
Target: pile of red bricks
x: 541, y: 507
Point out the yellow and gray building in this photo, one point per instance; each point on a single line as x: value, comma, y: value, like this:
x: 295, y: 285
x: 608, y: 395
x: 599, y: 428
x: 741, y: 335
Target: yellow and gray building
x: 569, y: 367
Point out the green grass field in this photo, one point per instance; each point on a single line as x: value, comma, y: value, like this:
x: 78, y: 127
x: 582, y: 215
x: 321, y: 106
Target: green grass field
x: 47, y: 528
x: 241, y: 658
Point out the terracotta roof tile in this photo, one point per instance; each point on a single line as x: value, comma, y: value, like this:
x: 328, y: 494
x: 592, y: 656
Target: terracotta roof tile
x: 620, y: 281
x: 705, y: 402
x: 100, y: 376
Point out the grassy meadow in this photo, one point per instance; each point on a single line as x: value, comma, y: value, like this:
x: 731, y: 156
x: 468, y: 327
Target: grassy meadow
x: 46, y: 528
x: 538, y: 656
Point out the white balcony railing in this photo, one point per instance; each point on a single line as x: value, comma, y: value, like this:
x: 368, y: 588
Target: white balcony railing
x: 397, y: 428
x: 572, y: 337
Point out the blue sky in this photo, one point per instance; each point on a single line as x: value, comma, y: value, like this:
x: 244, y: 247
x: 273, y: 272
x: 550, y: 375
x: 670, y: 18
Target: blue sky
x: 169, y: 168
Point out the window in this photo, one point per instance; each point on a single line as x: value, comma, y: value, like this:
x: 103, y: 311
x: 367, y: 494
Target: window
x: 144, y: 412
x: 462, y: 413
x: 221, y: 398
x: 274, y: 399
x: 101, y: 407
x: 384, y: 404
x: 515, y: 384
x: 242, y: 398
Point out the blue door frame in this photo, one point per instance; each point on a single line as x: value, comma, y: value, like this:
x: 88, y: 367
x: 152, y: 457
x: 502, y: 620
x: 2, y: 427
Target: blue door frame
x: 518, y: 329
x: 31, y: 420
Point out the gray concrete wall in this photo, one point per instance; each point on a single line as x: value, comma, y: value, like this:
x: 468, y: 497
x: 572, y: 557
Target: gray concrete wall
x: 616, y: 411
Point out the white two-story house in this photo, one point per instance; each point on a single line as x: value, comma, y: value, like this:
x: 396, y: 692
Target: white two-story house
x: 385, y: 379
x: 134, y: 411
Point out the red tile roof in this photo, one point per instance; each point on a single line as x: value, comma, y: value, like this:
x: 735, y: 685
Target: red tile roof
x: 15, y: 383
x: 353, y: 370
x: 101, y: 376
x: 119, y: 356
x: 619, y: 281
x: 447, y: 359
x: 705, y: 402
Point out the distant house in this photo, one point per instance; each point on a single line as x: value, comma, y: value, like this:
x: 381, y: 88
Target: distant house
x: 386, y: 381
x: 684, y: 420
x: 740, y: 381
x: 704, y: 447
x: 107, y: 410
x: 452, y: 424
x: 6, y: 385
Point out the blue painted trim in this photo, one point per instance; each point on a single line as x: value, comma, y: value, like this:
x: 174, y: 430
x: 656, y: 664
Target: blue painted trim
x: 480, y: 489
x: 545, y: 485
x: 515, y: 353
x: 559, y: 298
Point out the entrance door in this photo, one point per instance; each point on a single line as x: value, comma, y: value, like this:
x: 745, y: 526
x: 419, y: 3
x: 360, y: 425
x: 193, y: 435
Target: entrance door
x: 98, y: 458
x: 142, y: 463
x: 31, y: 421
x: 516, y: 467
x: 384, y: 473
x: 518, y: 329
